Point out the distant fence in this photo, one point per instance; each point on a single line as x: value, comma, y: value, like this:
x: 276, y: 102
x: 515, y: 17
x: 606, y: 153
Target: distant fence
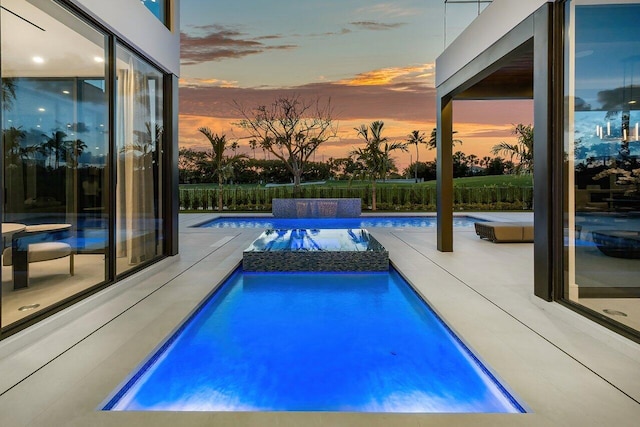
x: 419, y: 198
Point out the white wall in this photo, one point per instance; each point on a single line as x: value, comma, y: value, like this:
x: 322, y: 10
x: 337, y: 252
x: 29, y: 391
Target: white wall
x: 133, y: 22
x: 495, y: 21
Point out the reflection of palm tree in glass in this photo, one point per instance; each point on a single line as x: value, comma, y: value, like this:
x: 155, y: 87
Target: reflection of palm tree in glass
x: 8, y: 92
x: 55, y: 146
x: 74, y: 150
x: 11, y: 139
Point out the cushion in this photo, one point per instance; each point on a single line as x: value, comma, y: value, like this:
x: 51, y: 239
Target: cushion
x: 505, y: 231
x: 40, y: 252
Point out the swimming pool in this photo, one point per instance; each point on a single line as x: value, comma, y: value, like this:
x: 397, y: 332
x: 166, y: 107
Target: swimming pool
x: 324, y: 223
x: 361, y: 342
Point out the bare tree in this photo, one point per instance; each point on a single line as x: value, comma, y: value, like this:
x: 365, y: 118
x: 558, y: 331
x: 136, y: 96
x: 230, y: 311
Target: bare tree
x: 291, y: 129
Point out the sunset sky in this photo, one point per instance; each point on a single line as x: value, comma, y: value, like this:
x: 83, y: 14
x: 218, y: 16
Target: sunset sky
x: 375, y: 61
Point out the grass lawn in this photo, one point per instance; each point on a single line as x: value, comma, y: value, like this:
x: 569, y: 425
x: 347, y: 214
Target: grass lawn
x: 475, y: 181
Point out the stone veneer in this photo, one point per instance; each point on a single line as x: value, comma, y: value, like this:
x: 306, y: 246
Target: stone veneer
x: 316, y: 261
x: 316, y: 208
x: 322, y: 250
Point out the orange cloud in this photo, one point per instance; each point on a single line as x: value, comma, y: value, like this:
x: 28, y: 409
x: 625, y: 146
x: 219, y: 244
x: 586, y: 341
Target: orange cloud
x: 387, y: 76
x: 197, y: 82
x: 399, y: 96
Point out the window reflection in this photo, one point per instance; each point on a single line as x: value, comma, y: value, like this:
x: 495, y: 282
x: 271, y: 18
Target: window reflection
x: 602, y: 145
x: 157, y: 7
x: 55, y: 147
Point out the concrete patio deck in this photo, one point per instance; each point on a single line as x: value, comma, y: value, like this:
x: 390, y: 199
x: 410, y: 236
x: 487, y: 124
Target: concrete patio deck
x: 567, y: 370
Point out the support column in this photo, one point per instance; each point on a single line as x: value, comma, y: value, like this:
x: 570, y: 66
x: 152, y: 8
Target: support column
x: 170, y: 173
x: 444, y: 183
x: 547, y: 195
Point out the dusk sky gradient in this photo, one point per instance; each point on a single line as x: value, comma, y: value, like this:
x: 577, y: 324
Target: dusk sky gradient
x: 375, y: 61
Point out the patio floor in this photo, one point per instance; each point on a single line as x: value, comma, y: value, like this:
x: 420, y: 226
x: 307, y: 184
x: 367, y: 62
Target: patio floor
x: 567, y: 370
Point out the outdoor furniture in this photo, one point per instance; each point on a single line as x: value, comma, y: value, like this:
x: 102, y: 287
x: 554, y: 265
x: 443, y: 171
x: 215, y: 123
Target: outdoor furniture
x: 9, y: 228
x: 505, y: 232
x: 618, y: 243
x: 27, y: 246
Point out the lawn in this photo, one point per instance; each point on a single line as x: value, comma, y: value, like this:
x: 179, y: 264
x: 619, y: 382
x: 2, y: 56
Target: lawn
x: 475, y: 181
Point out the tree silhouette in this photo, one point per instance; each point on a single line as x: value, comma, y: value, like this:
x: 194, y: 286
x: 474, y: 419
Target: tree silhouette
x: 223, y: 165
x: 416, y: 138
x: 55, y: 146
x: 291, y: 129
x: 375, y: 156
x: 522, y: 150
x: 433, y: 138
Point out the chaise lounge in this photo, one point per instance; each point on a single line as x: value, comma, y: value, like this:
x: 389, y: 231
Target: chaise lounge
x: 505, y: 232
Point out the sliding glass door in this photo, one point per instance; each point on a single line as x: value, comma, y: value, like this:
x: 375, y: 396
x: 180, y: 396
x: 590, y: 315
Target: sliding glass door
x: 82, y: 163
x: 602, y: 154
x: 55, y: 132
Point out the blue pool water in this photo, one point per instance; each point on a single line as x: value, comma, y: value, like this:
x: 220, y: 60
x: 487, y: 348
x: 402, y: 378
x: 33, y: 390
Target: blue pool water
x: 323, y: 223
x: 314, y: 342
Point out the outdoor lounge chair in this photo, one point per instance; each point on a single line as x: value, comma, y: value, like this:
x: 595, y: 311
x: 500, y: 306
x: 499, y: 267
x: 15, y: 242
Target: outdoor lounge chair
x: 504, y: 232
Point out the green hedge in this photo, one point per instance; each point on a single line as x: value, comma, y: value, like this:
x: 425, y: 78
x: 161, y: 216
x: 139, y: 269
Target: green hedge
x: 388, y: 197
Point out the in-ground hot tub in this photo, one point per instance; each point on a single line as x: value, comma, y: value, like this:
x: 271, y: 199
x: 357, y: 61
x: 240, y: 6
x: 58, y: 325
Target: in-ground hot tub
x: 618, y: 243
x: 316, y: 250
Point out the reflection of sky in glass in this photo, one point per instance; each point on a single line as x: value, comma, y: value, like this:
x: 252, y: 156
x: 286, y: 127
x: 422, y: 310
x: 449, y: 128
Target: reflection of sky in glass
x: 156, y: 7
x: 607, y: 53
x: 336, y: 240
x: 589, y: 144
x: 77, y: 107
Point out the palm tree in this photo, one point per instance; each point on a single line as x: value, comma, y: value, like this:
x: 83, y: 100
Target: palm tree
x: 432, y: 142
x: 415, y: 138
x: 522, y: 150
x: 56, y: 145
x: 11, y: 139
x: 253, y: 144
x: 8, y: 87
x: 223, y: 164
x: 375, y: 156
x: 74, y: 149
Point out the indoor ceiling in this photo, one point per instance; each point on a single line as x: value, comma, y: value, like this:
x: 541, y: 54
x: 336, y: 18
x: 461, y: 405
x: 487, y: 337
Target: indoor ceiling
x: 66, y: 46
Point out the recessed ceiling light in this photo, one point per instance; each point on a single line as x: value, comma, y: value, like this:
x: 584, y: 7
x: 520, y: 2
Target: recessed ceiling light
x: 98, y: 59
x: 612, y: 312
x: 632, y: 102
x: 28, y: 307
x: 41, y: 109
x: 38, y: 60
x: 66, y: 92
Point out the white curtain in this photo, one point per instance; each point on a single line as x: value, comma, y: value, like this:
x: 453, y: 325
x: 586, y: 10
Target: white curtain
x: 135, y: 217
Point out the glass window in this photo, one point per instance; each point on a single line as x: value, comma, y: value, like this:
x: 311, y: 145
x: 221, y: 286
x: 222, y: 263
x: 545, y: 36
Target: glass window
x: 158, y: 8
x: 139, y: 133
x: 55, y: 146
x: 602, y: 152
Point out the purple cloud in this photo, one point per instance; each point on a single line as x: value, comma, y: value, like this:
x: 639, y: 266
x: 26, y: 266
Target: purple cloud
x: 221, y: 43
